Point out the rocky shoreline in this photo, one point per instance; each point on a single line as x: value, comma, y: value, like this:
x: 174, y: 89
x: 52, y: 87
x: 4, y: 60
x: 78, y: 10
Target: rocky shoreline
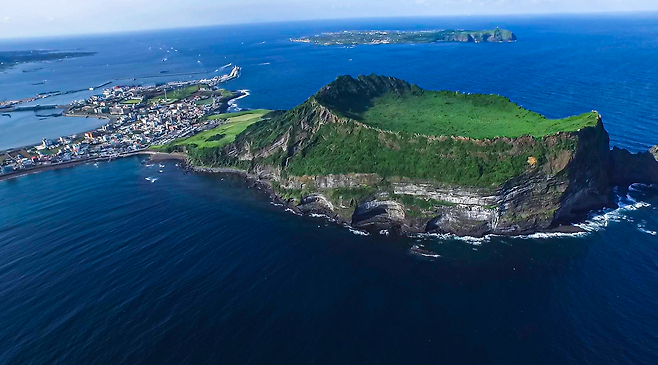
x: 313, y: 206
x: 309, y: 208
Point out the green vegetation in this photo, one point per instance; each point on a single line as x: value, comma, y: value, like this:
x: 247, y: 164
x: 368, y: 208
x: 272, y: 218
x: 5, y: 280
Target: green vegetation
x: 237, y: 114
x: 350, y: 148
x: 226, y: 93
x: 419, y: 207
x: 296, y: 195
x: 216, y: 137
x: 131, y: 101
x: 50, y: 151
x: 447, y: 113
x: 350, y: 196
x: 210, y: 95
x: 394, y: 129
x: 176, y: 95
x: 234, y: 125
x: 207, y: 101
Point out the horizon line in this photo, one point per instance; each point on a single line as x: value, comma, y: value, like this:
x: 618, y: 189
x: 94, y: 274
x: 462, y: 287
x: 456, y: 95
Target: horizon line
x: 646, y: 13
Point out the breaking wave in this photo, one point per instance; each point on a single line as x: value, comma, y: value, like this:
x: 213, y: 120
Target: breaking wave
x: 233, y: 105
x: 603, y: 219
x: 544, y: 235
x: 476, y: 241
x: 293, y: 212
x: 358, y: 232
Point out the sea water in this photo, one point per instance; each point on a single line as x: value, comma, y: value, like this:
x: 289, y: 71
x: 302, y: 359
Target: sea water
x: 117, y: 262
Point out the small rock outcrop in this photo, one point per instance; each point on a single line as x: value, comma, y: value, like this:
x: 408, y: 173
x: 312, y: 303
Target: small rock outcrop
x: 627, y: 168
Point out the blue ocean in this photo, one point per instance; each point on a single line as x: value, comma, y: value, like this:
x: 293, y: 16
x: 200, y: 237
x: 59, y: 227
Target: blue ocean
x: 132, y: 262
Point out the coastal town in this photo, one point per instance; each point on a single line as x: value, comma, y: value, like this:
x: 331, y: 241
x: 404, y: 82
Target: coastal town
x: 138, y: 117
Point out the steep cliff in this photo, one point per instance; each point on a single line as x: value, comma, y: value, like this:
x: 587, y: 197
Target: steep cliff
x: 627, y: 168
x: 378, y: 152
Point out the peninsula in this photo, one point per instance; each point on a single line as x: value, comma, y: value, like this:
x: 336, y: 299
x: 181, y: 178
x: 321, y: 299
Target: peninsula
x: 349, y: 38
x: 378, y: 153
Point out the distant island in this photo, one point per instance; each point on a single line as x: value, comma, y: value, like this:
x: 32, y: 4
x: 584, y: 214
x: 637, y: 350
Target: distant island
x: 10, y: 59
x: 349, y: 38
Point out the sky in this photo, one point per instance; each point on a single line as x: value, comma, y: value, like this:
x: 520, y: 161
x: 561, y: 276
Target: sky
x: 37, y: 18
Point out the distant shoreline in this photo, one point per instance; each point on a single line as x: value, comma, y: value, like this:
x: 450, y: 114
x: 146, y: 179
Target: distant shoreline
x: 156, y: 156
x: 109, y: 118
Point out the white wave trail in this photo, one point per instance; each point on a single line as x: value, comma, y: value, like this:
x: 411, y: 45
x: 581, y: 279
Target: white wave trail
x: 233, y: 105
x: 626, y: 204
x: 358, y: 232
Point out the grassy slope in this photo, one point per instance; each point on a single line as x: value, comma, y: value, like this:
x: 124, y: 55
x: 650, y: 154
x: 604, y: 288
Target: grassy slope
x: 237, y: 114
x: 234, y: 125
x: 410, y: 117
x: 348, y: 148
x: 468, y: 115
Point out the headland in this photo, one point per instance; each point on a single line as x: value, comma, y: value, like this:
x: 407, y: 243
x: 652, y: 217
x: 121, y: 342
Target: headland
x: 376, y: 153
x: 380, y: 153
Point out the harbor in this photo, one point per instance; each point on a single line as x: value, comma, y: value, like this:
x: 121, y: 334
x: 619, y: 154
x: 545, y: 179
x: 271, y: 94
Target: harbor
x: 138, y: 117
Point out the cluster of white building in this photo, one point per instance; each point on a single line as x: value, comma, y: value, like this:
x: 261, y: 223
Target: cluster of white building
x: 134, y: 124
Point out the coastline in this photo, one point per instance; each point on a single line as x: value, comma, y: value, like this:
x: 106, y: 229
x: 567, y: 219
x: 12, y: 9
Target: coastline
x: 109, y: 118
x: 64, y: 165
x: 257, y: 181
x: 335, y: 218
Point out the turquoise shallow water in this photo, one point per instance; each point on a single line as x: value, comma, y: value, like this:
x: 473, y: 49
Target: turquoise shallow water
x: 99, y: 264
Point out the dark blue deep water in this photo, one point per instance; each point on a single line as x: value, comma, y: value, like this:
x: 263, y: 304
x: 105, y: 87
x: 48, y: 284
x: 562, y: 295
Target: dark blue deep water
x: 99, y: 265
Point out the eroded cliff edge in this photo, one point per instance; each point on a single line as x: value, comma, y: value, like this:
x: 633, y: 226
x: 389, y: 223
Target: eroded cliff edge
x: 331, y: 155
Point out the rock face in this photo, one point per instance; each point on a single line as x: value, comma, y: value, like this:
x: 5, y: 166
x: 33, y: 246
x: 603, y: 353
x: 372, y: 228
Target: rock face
x: 572, y: 175
x: 627, y: 168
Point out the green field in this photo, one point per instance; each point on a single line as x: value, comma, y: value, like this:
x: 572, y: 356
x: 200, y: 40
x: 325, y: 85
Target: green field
x: 478, y: 116
x: 204, y: 101
x: 177, y: 94
x: 237, y: 114
x: 131, y: 101
x: 226, y: 93
x: 225, y: 133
